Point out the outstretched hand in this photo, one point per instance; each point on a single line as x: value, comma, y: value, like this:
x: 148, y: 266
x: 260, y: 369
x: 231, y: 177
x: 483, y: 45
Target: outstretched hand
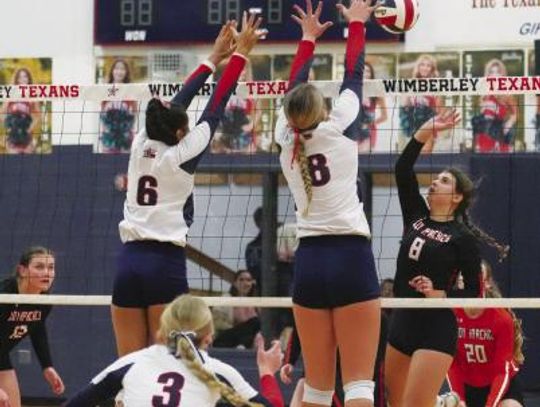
x: 447, y: 119
x: 249, y: 34
x: 359, y: 10
x: 312, y: 28
x: 224, y: 45
x: 269, y: 361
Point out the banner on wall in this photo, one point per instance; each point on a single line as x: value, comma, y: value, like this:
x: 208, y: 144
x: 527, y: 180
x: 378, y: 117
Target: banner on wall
x: 495, y: 123
x: 25, y: 125
x: 118, y: 118
x: 465, y: 23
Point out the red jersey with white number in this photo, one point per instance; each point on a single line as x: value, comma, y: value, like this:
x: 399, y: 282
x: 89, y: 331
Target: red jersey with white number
x: 485, y: 353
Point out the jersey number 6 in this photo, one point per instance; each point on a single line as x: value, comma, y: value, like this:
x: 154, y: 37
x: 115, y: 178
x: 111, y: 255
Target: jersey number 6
x: 147, y: 194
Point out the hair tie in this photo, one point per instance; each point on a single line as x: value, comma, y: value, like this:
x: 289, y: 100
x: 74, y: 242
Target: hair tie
x: 296, y: 145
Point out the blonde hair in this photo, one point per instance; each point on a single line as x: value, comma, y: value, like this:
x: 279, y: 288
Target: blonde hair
x: 305, y: 108
x: 493, y: 291
x: 429, y: 58
x: 185, y: 316
x: 495, y: 62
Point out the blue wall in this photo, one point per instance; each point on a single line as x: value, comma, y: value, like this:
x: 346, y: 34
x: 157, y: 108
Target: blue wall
x: 67, y: 201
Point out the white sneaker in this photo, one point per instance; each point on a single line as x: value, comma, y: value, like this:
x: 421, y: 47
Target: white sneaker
x: 450, y: 399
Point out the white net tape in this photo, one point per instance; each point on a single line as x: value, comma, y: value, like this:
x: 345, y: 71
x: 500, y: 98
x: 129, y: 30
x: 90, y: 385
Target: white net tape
x: 284, y: 302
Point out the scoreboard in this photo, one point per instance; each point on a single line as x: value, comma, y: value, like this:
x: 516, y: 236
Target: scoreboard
x: 155, y: 22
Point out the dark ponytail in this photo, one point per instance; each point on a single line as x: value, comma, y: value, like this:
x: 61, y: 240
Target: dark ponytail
x: 162, y: 123
x: 465, y: 186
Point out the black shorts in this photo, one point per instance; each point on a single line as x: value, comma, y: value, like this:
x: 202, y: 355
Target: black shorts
x: 334, y: 271
x: 429, y: 329
x: 477, y: 396
x: 149, y: 273
x: 5, y: 361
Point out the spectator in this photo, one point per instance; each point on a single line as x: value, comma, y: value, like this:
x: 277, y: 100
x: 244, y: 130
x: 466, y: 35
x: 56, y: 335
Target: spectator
x: 254, y: 249
x: 241, y: 323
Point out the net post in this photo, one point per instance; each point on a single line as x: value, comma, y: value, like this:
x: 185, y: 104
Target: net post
x: 269, y: 255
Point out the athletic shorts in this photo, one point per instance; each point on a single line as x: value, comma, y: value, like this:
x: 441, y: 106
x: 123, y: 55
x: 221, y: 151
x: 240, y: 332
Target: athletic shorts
x: 477, y: 396
x: 334, y: 271
x: 5, y: 361
x: 429, y: 329
x: 149, y: 273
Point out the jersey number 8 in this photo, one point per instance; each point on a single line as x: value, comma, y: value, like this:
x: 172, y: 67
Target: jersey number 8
x: 318, y: 170
x: 416, y: 248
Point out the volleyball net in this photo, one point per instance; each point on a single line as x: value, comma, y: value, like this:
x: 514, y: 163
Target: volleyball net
x: 66, y: 187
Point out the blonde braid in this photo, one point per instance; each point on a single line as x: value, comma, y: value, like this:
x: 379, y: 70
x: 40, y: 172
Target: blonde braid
x: 184, y: 350
x: 306, y: 176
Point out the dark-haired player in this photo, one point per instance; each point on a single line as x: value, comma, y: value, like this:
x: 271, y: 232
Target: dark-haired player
x: 438, y: 242
x: 34, y: 274
x: 159, y: 204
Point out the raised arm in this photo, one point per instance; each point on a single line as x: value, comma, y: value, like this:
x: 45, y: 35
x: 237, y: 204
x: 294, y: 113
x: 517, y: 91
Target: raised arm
x: 223, y: 48
x: 194, y: 144
x: 347, y: 111
x: 411, y: 201
x: 312, y: 29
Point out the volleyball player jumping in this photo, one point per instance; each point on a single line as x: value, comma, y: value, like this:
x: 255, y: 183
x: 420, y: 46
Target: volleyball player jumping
x: 159, y: 205
x: 335, y: 282
x: 438, y: 242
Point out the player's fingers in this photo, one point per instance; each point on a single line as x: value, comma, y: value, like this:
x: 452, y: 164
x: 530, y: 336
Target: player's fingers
x: 297, y: 19
x: 309, y: 7
x: 318, y: 10
x: 299, y: 11
x: 327, y: 25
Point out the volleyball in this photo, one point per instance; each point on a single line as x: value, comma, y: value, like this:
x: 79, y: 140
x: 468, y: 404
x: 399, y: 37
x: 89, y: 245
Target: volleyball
x: 397, y: 16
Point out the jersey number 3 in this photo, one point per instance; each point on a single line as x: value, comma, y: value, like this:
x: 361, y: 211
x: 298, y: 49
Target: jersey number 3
x: 173, y: 384
x: 318, y: 170
x: 147, y: 194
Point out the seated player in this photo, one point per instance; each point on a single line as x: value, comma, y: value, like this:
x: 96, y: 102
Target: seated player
x: 179, y: 368
x: 489, y: 354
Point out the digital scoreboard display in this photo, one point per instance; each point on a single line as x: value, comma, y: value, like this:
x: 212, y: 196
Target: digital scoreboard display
x: 155, y: 22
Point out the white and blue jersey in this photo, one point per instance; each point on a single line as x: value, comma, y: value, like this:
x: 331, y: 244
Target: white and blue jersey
x: 158, y: 209
x: 334, y: 264
x: 155, y: 377
x: 332, y: 153
x: 159, y: 200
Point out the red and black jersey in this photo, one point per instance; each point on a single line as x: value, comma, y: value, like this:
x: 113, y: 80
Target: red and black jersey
x: 485, y: 353
x: 19, y: 320
x: 438, y: 250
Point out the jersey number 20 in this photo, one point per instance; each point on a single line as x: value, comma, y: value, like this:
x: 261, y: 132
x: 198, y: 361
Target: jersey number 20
x: 173, y: 384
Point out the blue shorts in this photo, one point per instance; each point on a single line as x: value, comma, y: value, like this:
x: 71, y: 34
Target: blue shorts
x: 149, y: 273
x: 334, y: 271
